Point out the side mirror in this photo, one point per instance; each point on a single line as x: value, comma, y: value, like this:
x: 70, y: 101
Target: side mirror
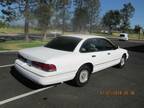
x: 83, y: 50
x: 117, y: 46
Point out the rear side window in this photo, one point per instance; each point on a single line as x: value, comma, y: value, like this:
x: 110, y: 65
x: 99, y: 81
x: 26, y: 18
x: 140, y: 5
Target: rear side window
x: 64, y: 43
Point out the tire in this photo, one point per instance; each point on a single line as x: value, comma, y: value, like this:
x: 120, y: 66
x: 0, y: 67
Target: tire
x: 82, y: 76
x: 122, y: 62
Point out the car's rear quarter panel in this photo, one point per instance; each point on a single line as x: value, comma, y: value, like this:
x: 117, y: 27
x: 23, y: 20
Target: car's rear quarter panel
x: 69, y: 63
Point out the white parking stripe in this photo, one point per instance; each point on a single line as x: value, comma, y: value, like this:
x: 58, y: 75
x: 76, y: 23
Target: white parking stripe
x: 6, y: 65
x: 23, y: 95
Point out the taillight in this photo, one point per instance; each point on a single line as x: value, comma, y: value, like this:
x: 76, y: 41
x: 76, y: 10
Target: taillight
x: 45, y: 67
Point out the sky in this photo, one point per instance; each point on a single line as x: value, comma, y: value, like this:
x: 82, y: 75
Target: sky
x: 138, y: 17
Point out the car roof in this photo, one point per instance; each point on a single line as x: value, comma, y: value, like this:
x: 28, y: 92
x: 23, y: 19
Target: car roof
x: 84, y: 36
x: 124, y: 33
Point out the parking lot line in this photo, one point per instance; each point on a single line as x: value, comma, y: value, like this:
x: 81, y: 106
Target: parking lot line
x: 24, y: 95
x: 6, y: 65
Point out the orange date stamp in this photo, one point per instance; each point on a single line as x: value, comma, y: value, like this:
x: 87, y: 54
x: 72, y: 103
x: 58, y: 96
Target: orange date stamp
x: 116, y: 92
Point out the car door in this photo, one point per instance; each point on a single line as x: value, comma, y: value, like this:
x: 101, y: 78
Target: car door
x: 90, y: 53
x: 109, y: 51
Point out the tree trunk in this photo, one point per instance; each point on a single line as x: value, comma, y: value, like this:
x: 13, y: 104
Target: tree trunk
x: 90, y: 23
x: 26, y: 29
x: 45, y: 35
x: 139, y: 36
x: 90, y: 27
x: 26, y: 26
x: 63, y: 20
x: 110, y: 30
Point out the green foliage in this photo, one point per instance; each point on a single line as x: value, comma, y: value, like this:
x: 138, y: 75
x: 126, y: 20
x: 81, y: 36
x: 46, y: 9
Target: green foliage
x: 127, y: 13
x: 86, y: 14
x: 119, y: 18
x: 43, y: 14
x: 63, y: 6
x: 54, y: 13
x: 3, y: 24
x: 137, y: 28
x: 7, y: 10
x: 112, y: 19
x: 16, y: 9
x: 93, y: 7
x: 80, y: 19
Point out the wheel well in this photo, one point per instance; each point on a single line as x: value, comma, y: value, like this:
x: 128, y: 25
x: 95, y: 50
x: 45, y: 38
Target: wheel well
x: 90, y: 65
x: 125, y: 55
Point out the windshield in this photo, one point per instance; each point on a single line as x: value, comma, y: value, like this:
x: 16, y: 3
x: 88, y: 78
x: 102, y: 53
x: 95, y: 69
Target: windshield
x: 64, y: 43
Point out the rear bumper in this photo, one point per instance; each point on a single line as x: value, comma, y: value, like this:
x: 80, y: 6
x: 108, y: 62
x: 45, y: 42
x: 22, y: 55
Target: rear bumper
x: 123, y: 38
x: 31, y: 76
x: 42, y: 80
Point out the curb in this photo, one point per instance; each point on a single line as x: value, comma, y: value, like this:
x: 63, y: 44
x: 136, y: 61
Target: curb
x: 8, y: 51
x: 134, y: 40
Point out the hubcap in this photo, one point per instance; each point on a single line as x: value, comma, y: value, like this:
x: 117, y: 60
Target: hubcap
x: 122, y: 61
x: 83, y: 76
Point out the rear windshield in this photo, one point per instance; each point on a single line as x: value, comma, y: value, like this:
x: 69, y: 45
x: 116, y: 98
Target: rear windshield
x: 63, y: 43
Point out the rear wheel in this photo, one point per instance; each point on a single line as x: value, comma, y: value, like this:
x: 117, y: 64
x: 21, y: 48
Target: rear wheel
x: 82, y: 76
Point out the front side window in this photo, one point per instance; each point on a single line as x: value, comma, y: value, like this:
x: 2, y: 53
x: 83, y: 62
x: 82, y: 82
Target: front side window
x: 103, y: 45
x: 64, y: 43
x: 96, y: 44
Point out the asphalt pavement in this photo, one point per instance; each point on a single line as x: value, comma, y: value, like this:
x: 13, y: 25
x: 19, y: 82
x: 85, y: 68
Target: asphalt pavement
x: 109, y: 88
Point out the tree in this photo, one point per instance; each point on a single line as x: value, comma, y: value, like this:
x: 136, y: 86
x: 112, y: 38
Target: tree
x: 89, y: 9
x: 3, y: 24
x: 62, y: 8
x: 112, y: 19
x: 127, y: 13
x: 14, y: 9
x: 137, y: 28
x: 43, y: 13
x: 93, y: 13
x: 80, y: 19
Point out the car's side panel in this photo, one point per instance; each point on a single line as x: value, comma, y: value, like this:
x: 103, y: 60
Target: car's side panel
x: 72, y: 62
x: 99, y: 60
x: 105, y: 59
x: 114, y: 57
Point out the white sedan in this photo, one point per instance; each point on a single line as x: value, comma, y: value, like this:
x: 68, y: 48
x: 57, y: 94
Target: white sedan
x: 72, y: 57
x: 123, y: 36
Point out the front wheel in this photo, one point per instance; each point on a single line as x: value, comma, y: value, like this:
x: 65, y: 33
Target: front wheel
x: 82, y: 76
x: 122, y: 62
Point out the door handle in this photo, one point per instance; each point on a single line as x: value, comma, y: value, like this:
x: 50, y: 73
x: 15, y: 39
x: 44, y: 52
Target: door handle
x: 93, y: 55
x: 108, y: 53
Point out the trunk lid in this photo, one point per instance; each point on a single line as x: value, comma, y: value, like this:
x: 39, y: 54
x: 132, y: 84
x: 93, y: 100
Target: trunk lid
x: 41, y: 54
